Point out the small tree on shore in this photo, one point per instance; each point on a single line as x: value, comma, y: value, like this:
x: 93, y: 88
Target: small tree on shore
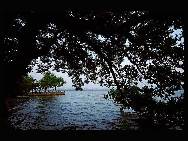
x: 45, y: 82
x: 57, y: 82
x: 50, y: 80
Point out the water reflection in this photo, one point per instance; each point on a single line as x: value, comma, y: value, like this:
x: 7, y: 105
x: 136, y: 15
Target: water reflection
x: 85, y: 110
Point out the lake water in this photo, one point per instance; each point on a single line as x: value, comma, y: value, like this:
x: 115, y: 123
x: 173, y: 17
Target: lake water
x: 77, y: 110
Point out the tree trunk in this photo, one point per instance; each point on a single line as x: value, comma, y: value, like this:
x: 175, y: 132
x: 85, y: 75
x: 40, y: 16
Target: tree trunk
x: 45, y: 89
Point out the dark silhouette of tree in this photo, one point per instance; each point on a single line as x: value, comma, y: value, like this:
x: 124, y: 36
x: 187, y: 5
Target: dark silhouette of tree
x: 27, y: 84
x: 94, y: 43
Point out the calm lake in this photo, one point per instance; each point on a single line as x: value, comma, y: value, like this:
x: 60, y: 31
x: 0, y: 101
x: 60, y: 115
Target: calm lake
x: 77, y: 110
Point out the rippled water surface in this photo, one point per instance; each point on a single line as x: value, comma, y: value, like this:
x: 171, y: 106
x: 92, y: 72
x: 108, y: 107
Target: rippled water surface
x: 75, y: 110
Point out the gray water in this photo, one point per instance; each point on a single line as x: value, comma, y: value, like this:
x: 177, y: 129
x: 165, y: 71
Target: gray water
x: 77, y: 110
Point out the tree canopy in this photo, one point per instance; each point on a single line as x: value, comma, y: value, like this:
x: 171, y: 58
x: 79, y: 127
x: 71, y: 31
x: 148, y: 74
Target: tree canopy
x: 49, y: 80
x: 94, y: 43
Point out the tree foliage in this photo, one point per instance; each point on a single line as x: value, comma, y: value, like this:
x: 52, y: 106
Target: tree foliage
x: 152, y: 113
x: 49, y: 80
x: 57, y: 82
x: 94, y: 43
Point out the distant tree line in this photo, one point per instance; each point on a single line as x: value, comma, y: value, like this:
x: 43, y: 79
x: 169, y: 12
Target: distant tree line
x: 49, y: 80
